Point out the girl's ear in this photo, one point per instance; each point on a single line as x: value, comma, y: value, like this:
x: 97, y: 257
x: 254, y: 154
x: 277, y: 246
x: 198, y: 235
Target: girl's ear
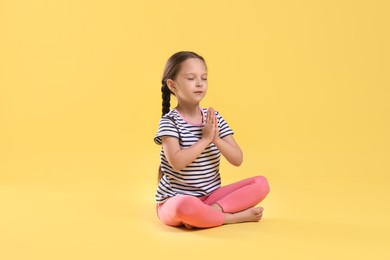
x: 171, y: 85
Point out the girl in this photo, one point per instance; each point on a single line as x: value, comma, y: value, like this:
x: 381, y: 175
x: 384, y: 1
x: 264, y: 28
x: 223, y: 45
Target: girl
x: 189, y: 191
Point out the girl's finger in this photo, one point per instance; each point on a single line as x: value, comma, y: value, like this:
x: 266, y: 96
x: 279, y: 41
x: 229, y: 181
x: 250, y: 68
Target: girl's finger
x: 216, y: 124
x: 210, y: 115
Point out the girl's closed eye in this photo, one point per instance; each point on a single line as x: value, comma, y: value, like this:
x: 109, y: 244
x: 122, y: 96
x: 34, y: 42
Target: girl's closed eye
x: 194, y: 78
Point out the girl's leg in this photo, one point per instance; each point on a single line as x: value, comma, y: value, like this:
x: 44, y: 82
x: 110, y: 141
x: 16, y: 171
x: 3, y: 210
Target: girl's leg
x: 240, y: 195
x: 189, y: 210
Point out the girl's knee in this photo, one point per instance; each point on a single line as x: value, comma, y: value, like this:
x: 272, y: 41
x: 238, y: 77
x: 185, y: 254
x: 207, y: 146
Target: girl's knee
x: 263, y: 184
x: 186, y: 206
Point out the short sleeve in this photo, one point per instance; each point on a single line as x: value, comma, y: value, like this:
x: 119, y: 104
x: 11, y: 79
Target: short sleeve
x: 224, y: 128
x: 166, y: 128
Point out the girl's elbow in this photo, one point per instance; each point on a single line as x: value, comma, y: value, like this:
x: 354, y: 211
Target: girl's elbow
x: 177, y: 167
x: 237, y: 162
x: 175, y: 164
x: 241, y: 159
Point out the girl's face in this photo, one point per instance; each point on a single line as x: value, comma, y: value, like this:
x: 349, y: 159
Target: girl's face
x: 190, y: 85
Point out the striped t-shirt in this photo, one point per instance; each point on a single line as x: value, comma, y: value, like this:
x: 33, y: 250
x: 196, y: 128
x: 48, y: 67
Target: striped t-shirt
x: 199, y: 178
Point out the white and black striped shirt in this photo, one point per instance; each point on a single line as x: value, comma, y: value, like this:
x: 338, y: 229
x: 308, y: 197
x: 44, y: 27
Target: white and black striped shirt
x: 199, y: 178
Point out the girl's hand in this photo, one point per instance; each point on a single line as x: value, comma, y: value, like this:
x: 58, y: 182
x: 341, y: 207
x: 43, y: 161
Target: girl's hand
x: 216, y: 133
x: 209, y: 130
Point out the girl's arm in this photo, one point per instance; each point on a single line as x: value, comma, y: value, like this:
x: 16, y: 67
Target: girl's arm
x: 229, y: 149
x: 179, y: 158
x: 227, y: 145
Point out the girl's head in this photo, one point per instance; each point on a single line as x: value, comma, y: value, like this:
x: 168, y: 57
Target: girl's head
x: 185, y: 76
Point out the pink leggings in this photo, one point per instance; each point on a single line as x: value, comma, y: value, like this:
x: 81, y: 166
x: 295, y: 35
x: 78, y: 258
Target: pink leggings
x: 198, y: 212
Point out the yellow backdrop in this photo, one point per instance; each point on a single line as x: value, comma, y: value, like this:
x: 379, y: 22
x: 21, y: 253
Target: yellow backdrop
x: 304, y: 84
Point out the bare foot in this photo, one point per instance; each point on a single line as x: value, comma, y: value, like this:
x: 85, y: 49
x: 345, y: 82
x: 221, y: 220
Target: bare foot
x: 248, y: 215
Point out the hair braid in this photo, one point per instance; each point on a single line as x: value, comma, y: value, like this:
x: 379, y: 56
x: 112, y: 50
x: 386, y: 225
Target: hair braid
x: 166, y: 98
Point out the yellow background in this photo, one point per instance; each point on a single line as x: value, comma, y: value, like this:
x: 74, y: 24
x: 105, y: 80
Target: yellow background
x: 304, y: 84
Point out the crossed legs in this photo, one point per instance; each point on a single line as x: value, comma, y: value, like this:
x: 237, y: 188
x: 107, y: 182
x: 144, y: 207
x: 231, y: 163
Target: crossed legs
x: 229, y: 204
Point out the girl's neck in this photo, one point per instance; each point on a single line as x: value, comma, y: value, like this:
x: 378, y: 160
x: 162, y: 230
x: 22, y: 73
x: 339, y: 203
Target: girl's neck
x: 192, y: 113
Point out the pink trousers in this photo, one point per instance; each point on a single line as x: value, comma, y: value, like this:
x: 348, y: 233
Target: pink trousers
x: 198, y: 212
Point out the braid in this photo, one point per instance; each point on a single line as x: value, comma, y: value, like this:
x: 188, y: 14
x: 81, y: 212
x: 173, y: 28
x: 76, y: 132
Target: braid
x: 166, y: 98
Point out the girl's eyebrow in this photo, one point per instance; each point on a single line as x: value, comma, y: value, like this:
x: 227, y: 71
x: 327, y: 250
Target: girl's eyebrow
x: 191, y: 73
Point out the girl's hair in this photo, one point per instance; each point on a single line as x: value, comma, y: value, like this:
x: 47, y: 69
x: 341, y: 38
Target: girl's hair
x: 172, y: 68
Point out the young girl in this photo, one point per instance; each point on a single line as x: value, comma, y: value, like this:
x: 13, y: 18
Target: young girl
x: 189, y: 192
